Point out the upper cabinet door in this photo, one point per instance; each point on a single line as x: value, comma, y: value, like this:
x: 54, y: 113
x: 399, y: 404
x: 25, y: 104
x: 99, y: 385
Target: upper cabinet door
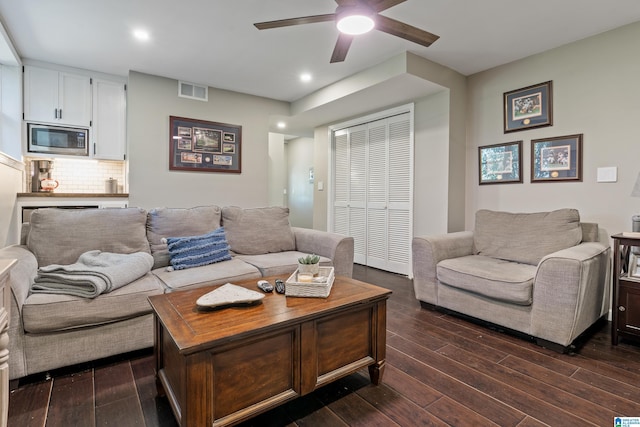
x: 40, y: 95
x: 74, y: 95
x: 109, y: 120
x: 57, y: 97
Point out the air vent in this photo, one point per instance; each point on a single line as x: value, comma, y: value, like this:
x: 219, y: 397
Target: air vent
x: 193, y: 91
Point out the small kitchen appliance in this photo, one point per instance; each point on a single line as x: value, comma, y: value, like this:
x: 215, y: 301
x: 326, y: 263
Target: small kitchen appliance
x: 111, y: 186
x: 52, y: 139
x: 41, y: 180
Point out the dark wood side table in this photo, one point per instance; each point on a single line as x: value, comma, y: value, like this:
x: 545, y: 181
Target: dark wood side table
x: 625, y: 306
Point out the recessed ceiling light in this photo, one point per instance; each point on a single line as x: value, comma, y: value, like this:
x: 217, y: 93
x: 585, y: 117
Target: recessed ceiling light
x: 305, y: 77
x: 281, y: 125
x: 142, y: 35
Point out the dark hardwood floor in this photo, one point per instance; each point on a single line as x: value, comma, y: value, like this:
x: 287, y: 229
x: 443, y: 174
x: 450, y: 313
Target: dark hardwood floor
x: 441, y: 370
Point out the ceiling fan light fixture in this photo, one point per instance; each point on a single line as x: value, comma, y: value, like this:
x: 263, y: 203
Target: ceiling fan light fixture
x: 355, y: 20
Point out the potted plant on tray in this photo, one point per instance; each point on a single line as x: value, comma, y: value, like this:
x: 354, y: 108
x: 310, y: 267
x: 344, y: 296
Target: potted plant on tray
x: 309, y: 264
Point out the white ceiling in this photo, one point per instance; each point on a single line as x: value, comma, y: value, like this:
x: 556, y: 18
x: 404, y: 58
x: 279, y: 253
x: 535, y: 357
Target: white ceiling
x: 214, y: 42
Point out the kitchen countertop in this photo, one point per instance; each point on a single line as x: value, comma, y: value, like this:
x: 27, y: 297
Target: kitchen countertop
x: 74, y: 195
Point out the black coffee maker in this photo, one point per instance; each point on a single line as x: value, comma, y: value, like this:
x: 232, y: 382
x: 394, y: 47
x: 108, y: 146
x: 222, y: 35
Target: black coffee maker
x: 40, y: 170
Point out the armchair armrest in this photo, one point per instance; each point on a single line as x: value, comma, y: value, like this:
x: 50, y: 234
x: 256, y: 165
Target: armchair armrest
x: 570, y: 292
x: 337, y: 247
x: 427, y: 252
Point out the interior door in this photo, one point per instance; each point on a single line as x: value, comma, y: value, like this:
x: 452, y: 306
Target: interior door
x: 377, y: 194
x: 373, y: 191
x: 400, y: 195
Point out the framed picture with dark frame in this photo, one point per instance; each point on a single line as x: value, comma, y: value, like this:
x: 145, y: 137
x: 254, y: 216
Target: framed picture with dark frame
x: 204, y: 146
x: 500, y: 163
x: 528, y: 108
x: 556, y: 159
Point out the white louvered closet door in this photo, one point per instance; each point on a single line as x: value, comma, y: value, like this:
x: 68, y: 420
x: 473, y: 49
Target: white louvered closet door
x: 350, y: 180
x: 377, y: 221
x: 373, y: 197
x: 400, y: 195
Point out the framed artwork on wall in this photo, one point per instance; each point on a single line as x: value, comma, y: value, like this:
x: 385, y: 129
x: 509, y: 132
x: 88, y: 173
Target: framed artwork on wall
x: 556, y: 159
x: 203, y: 146
x: 500, y: 163
x: 528, y: 108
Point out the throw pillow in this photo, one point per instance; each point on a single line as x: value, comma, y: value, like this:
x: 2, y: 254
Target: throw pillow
x: 178, y: 222
x: 195, y: 251
x: 258, y: 231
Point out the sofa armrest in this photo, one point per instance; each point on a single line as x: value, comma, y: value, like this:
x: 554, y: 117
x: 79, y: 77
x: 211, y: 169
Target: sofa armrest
x: 23, y: 272
x: 337, y: 247
x: 427, y: 252
x: 20, y: 278
x: 570, y: 292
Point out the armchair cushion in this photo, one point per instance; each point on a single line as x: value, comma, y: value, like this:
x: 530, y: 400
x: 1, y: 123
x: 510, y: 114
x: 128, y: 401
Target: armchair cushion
x: 526, y: 237
x: 490, y: 277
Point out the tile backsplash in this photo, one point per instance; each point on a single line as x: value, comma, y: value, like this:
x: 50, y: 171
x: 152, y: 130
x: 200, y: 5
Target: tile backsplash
x: 83, y: 176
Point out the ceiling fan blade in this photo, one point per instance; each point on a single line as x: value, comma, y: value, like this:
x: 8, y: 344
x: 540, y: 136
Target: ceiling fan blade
x: 405, y: 31
x: 295, y: 21
x: 380, y: 5
x: 349, y: 2
x: 342, y: 47
x: 376, y: 5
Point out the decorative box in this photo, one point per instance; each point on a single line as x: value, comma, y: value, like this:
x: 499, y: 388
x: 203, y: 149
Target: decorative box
x: 319, y: 286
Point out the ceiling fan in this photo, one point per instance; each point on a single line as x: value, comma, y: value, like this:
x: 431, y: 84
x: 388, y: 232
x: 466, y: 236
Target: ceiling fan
x: 365, y: 12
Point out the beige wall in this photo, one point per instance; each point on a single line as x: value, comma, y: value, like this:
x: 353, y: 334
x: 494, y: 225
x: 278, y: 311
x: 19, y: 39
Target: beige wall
x: 595, y: 92
x: 432, y: 167
x: 439, y: 138
x: 277, y: 170
x: 300, y: 191
x: 150, y: 102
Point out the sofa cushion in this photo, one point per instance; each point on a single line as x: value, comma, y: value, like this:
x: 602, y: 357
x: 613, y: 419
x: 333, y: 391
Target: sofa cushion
x: 279, y: 264
x: 178, y: 222
x: 258, y: 230
x: 60, y: 236
x: 212, y: 274
x: 526, y: 237
x: 196, y: 251
x: 43, y: 313
x: 491, y: 277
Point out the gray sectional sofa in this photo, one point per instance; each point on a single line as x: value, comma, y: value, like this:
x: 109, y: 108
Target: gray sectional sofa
x: 49, y: 331
x: 545, y: 275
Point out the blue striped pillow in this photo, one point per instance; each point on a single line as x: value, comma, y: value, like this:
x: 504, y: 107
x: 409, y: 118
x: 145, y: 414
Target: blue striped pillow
x: 195, y: 251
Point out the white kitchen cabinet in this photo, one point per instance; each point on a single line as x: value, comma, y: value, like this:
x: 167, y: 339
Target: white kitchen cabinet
x: 58, y: 97
x: 109, y: 120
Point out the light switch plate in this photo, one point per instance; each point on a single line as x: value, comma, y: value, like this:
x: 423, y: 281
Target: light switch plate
x: 608, y: 174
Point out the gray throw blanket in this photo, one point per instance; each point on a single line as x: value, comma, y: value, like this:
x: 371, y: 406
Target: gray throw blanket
x: 94, y: 273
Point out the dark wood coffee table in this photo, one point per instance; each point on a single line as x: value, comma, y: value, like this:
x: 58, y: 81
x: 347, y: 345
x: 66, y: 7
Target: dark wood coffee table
x: 224, y: 366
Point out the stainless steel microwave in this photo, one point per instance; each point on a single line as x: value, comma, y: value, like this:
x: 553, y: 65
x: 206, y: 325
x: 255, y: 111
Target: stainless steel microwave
x: 57, y: 140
